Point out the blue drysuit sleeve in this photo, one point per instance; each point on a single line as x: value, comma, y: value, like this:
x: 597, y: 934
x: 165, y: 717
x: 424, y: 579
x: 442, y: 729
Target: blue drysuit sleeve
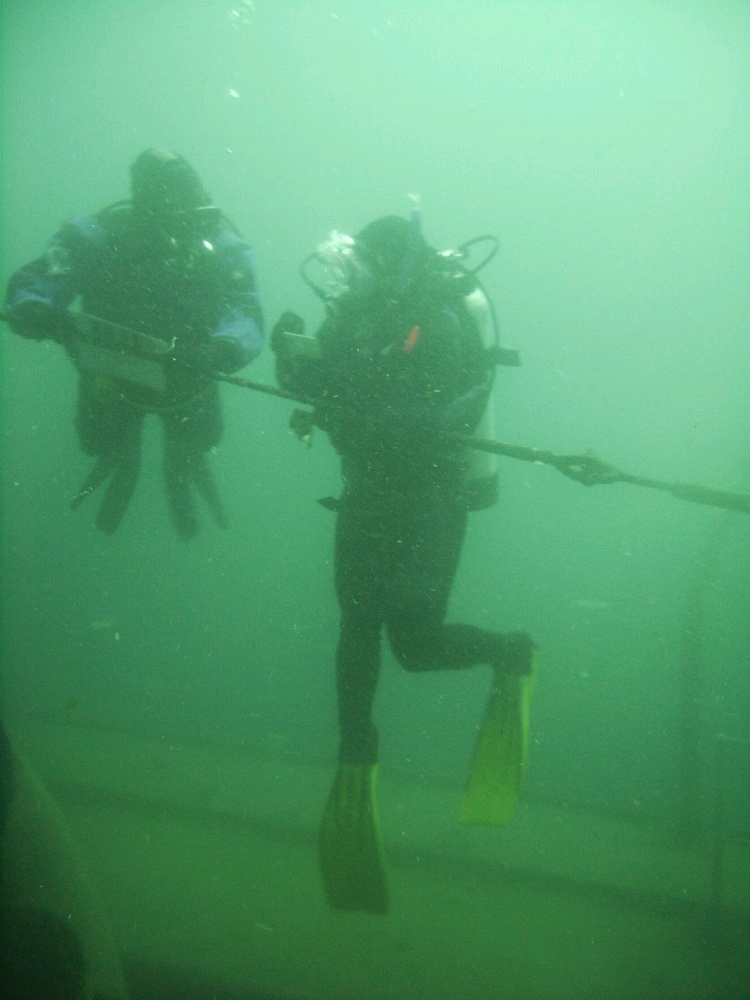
x: 241, y: 317
x: 56, y: 278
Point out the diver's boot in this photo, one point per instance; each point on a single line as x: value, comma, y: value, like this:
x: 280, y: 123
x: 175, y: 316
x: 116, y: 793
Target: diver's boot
x: 350, y: 846
x: 515, y: 654
x: 494, y: 786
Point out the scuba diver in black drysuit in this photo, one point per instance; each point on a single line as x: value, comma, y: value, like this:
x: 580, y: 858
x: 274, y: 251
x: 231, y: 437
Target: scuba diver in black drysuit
x: 171, y: 273
x: 398, y: 364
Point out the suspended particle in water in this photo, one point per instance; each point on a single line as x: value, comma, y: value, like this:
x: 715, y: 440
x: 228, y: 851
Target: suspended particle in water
x: 231, y: 92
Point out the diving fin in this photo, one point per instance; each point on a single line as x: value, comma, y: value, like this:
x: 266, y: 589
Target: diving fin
x: 494, y: 785
x: 183, y: 471
x: 350, y: 847
x: 100, y: 472
x: 119, y: 493
x: 124, y: 471
x: 206, y: 486
x: 178, y: 483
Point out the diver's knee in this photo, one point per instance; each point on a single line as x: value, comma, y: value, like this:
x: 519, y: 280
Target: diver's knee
x: 411, y: 647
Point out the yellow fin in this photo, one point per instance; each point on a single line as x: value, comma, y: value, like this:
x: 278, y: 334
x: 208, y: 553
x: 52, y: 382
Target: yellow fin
x: 494, y: 785
x: 350, y: 846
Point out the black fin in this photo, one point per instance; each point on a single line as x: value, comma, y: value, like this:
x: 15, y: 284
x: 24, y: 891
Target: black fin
x: 119, y: 493
x: 102, y: 470
x: 177, y: 479
x: 206, y: 486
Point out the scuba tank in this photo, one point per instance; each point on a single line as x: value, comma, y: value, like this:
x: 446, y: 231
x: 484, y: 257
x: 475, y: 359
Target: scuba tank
x: 480, y: 476
x: 481, y: 472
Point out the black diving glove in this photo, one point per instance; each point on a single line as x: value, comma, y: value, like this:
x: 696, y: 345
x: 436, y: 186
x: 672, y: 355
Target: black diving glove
x: 38, y: 320
x: 288, y: 322
x: 224, y: 355
x: 218, y: 355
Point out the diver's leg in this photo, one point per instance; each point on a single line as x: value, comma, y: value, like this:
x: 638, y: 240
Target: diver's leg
x: 104, y: 420
x: 431, y: 541
x: 358, y: 567
x: 177, y: 481
x: 109, y: 428
x: 420, y: 640
x: 350, y: 847
x: 357, y: 672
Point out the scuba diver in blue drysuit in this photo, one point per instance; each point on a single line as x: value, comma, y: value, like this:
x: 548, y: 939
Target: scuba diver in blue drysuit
x: 398, y: 364
x: 171, y: 272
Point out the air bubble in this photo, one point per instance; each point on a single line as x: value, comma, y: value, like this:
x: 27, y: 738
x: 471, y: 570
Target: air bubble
x: 241, y: 14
